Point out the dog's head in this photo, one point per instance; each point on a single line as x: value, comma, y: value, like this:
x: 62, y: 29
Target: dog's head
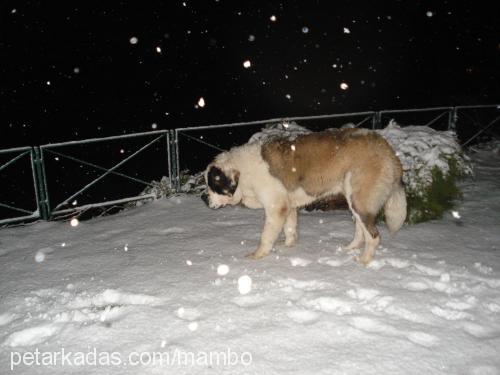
x: 222, y: 186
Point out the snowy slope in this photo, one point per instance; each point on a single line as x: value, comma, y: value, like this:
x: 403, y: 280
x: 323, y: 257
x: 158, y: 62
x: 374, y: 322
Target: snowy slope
x: 148, y: 280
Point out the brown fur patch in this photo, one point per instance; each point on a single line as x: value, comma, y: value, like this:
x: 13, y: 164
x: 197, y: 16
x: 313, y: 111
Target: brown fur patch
x: 316, y: 162
x: 369, y: 221
x: 332, y: 202
x: 283, y: 211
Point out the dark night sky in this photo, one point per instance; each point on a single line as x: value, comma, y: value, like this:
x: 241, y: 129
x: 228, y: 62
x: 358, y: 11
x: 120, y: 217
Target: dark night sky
x: 68, y: 69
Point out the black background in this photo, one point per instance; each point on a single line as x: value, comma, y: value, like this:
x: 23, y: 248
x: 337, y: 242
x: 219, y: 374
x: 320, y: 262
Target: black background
x: 69, y: 71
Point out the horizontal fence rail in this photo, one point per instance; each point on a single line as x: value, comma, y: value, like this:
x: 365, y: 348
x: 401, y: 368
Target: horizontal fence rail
x: 173, y: 152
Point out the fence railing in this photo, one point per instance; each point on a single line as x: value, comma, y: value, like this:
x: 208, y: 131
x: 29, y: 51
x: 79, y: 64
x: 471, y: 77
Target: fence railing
x: 16, y: 204
x: 62, y: 185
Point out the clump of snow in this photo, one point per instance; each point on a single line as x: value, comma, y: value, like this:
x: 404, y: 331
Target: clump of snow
x: 288, y: 129
x: 420, y: 149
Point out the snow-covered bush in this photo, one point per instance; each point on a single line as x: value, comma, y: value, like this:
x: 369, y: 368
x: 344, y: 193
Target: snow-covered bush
x: 432, y: 164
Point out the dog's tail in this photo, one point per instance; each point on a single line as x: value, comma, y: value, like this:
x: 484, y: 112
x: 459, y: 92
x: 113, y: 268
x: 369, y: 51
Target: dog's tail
x: 395, y: 209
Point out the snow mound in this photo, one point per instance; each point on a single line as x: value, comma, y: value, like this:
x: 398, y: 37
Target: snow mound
x: 421, y: 149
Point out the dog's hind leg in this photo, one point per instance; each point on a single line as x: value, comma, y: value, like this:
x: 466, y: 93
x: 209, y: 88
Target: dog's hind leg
x: 290, y: 228
x: 359, y: 237
x: 371, y: 235
x: 366, y: 231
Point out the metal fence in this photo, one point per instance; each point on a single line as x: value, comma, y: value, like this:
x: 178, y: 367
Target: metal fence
x: 57, y: 180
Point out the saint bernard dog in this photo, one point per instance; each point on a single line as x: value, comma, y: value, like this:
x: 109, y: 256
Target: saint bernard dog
x: 282, y: 175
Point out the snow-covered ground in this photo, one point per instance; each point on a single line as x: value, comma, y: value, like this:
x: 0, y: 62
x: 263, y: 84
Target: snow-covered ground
x: 150, y: 280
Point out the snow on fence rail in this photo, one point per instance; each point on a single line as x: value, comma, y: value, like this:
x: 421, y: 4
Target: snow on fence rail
x: 62, y: 185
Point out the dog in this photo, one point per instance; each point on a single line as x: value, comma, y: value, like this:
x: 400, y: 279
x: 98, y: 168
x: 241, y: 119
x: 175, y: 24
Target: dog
x: 282, y: 175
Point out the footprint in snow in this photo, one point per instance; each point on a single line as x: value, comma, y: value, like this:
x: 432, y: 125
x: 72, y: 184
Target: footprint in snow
x: 484, y: 370
x: 363, y: 294
x: 6, y: 318
x: 172, y: 230
x: 300, y: 262
x: 305, y: 285
x: 329, y: 305
x: 480, y: 331
x: 303, y: 316
x: 333, y: 262
x: 416, y: 286
x: 189, y: 314
x: 370, y: 325
x: 450, y: 314
x: 252, y: 300
x: 422, y: 338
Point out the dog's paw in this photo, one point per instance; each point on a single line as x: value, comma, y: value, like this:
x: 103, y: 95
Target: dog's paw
x: 256, y: 255
x: 291, y: 240
x: 351, y: 246
x: 364, y: 259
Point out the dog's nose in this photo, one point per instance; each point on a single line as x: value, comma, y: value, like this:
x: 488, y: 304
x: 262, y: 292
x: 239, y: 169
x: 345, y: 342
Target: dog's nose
x: 204, y: 198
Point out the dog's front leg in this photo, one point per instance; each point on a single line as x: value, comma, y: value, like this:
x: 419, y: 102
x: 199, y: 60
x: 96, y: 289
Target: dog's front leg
x: 275, y: 219
x: 291, y: 228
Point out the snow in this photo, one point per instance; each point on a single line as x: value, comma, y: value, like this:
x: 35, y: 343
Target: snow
x: 201, y: 103
x: 428, y: 303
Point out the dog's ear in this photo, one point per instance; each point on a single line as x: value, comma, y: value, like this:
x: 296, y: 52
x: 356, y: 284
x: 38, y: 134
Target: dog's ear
x: 235, y: 176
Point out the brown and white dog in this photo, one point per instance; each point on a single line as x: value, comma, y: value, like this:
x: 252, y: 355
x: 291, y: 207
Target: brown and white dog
x: 282, y: 175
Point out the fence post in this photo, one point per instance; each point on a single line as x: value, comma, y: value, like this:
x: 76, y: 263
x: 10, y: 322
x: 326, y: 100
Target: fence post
x: 174, y: 162
x: 41, y: 184
x: 376, y: 120
x: 452, y: 119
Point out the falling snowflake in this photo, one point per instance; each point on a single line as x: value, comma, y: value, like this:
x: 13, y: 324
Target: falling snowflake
x: 344, y: 86
x: 133, y: 40
x: 154, y: 125
x: 288, y: 96
x: 247, y: 64
x: 456, y: 214
x: 244, y: 284
x: 201, y: 102
x: 193, y: 326
x: 346, y: 30
x: 74, y: 222
x: 429, y: 14
x: 76, y: 70
x: 273, y: 18
x: 292, y: 147
x: 158, y: 49
x: 222, y: 269
x: 189, y: 263
x: 39, y: 256
x: 251, y: 38
x: 48, y: 83
x: 305, y: 29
